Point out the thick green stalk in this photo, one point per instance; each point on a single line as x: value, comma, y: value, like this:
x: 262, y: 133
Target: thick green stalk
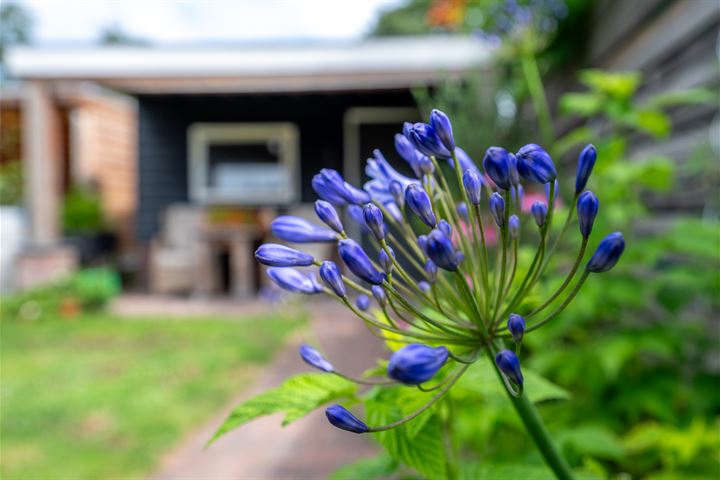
x: 539, y: 100
x: 536, y: 429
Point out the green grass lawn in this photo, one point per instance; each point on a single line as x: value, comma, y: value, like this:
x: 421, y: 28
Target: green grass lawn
x: 101, y: 397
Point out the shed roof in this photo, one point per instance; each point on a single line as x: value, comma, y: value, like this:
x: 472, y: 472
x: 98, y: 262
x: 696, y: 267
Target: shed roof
x: 368, y: 64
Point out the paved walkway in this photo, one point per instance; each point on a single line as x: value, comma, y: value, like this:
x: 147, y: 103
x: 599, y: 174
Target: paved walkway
x: 262, y: 450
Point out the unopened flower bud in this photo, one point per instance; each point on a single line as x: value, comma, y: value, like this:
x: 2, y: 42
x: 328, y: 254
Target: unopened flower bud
x: 330, y: 274
x: 445, y: 227
x: 443, y: 128
x: 374, y: 221
x: 535, y: 165
x: 497, y: 209
x: 514, y: 226
x: 516, y: 326
x: 294, y: 281
x: 497, y: 166
x: 424, y: 286
x: 426, y: 140
x: 539, y: 211
x: 341, y: 418
x: 462, y: 210
x: 299, y: 230
x: 379, y: 295
x: 586, y: 162
x: 415, y: 363
x: 441, y: 252
x: 276, y: 255
x: 362, y: 302
x: 431, y: 269
x: 607, y: 254
x: 396, y: 191
x: 315, y: 359
x: 419, y: 202
x: 358, y: 262
x: 327, y: 213
x: 587, y: 209
x: 385, y: 261
x: 426, y: 165
x: 509, y: 365
x: 472, y: 181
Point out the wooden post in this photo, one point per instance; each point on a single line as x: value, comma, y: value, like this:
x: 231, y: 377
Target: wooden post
x: 42, y: 161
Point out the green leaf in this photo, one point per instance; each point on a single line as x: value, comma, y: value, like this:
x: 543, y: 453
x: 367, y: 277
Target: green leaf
x: 424, y: 451
x: 652, y: 122
x: 683, y: 97
x: 596, y: 442
x: 619, y: 85
x: 297, y: 396
x: 481, y: 379
x: 381, y: 466
x: 582, y: 104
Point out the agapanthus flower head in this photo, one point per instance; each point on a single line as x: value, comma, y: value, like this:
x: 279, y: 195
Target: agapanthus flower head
x: 497, y: 209
x: 415, y: 364
x: 587, y: 209
x: 443, y: 128
x: 535, y: 165
x: 276, y: 255
x: 509, y: 365
x: 607, y: 253
x: 341, y: 417
x: 294, y: 281
x: 419, y: 202
x: 298, y: 230
x: 315, y: 359
x: 539, y: 211
x: 329, y: 216
x: 496, y: 164
x: 586, y: 162
x: 330, y: 274
x: 441, y: 251
x: 358, y: 262
x: 426, y: 140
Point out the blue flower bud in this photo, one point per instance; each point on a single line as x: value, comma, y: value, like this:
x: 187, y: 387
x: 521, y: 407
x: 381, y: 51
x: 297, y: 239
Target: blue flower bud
x: 587, y: 209
x: 358, y: 262
x: 497, y: 209
x: 556, y: 191
x: 586, y: 162
x: 514, y: 226
x: 514, y: 175
x: 331, y: 186
x: 422, y: 243
x: 379, y: 295
x: 460, y: 256
x: 276, y: 255
x: 330, y: 273
x: 385, y: 261
x: 424, y: 286
x: 426, y: 140
x: 341, y: 418
x: 472, y: 181
x: 407, y: 126
x: 315, y: 359
x: 294, y: 281
x: 516, y: 326
x: 299, y: 230
x: 462, y: 210
x: 431, y: 270
x: 445, y: 227
x: 539, y: 210
x: 327, y: 213
x: 535, y: 165
x: 419, y: 202
x: 323, y: 190
x: 362, y: 302
x: 441, y: 123
x: 607, y: 254
x: 374, y: 221
x: 415, y: 364
x: 426, y: 165
x: 516, y: 196
x: 394, y: 211
x: 441, y: 252
x: 396, y: 191
x: 497, y: 166
x: 509, y: 365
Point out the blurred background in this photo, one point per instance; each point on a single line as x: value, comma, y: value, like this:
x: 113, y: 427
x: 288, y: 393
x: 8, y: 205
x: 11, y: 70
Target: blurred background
x: 146, y: 145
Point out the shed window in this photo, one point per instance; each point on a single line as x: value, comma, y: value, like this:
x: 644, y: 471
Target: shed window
x: 243, y: 163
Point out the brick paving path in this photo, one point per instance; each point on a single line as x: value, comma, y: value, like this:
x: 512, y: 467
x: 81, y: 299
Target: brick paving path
x: 308, y: 449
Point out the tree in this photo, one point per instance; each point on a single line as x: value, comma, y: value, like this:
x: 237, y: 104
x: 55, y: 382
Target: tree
x: 16, y: 25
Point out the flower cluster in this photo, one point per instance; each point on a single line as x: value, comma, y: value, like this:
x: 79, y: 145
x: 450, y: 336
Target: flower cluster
x: 437, y: 237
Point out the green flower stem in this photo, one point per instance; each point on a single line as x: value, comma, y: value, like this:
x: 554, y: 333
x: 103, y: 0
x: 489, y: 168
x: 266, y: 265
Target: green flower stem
x: 535, y: 427
x: 537, y: 94
x: 563, y: 305
x: 567, y: 281
x: 462, y: 284
x: 503, y: 261
x: 486, y: 270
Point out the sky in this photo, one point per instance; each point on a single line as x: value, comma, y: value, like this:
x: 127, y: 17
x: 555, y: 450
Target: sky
x: 184, y: 21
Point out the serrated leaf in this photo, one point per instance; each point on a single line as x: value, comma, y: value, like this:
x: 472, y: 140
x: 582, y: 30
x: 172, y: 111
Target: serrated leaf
x: 297, y: 396
x: 424, y: 452
x: 481, y: 378
x: 381, y: 466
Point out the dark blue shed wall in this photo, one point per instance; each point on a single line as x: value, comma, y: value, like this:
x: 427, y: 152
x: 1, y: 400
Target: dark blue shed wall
x: 164, y: 121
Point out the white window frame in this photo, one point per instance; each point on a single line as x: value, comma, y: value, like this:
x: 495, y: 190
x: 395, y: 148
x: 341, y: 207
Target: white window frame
x: 201, y: 135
